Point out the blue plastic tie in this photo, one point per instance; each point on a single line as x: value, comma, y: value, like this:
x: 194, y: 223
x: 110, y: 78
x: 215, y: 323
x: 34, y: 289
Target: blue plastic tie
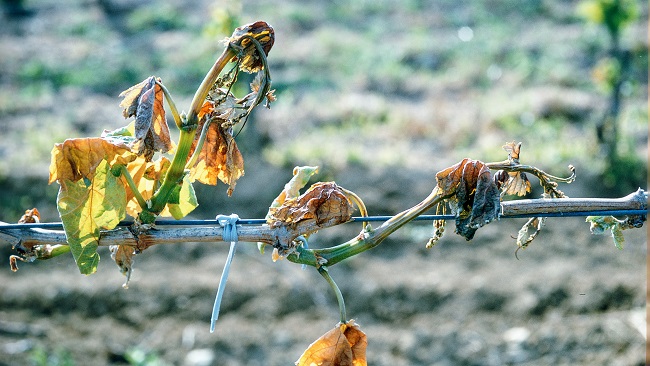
x: 229, y: 225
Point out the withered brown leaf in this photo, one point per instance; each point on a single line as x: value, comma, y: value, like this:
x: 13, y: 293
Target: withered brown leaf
x: 220, y: 158
x: 325, y: 203
x: 145, y: 102
x: 75, y: 159
x: 345, y: 345
x: 472, y: 195
x: 30, y: 217
x: 262, y: 32
x: 123, y: 255
x: 517, y: 184
x: 513, y: 150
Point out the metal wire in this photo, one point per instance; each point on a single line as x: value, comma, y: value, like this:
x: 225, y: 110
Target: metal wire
x: 59, y: 225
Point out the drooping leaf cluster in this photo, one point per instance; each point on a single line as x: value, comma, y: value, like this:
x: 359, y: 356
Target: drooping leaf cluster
x: 130, y: 170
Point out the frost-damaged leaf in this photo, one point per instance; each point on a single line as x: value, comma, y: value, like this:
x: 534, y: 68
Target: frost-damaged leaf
x: 517, y: 184
x: 145, y: 102
x: 599, y: 224
x: 301, y: 175
x: 219, y: 159
x: 474, y: 197
x: 123, y: 255
x: 523, y: 237
x: 85, y: 207
x: 75, y: 159
x: 344, y: 345
x: 30, y: 217
x: 512, y: 183
x: 325, y: 203
x: 513, y: 150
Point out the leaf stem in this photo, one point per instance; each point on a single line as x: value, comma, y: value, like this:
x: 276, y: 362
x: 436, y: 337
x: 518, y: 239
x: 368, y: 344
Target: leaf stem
x: 339, y: 296
x: 170, y: 102
x: 134, y: 188
x: 199, y: 145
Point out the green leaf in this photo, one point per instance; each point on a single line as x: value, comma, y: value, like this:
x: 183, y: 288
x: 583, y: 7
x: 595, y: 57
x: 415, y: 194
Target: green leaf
x: 182, y: 200
x: 123, y: 135
x: 85, y: 209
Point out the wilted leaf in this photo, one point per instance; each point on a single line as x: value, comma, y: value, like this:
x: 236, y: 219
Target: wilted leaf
x: 523, y: 236
x: 123, y: 255
x: 324, y: 203
x: 123, y: 136
x: 30, y: 217
x: 75, y: 159
x: 262, y: 32
x: 253, y: 97
x: 345, y: 345
x: 85, y: 207
x: 301, y: 175
x: 219, y: 159
x: 599, y: 224
x: 183, y: 200
x: 473, y: 196
x: 517, y: 184
x: 145, y: 102
x: 513, y: 150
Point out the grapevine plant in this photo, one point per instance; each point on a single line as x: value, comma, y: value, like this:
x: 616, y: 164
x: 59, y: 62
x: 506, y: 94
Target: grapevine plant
x: 137, y: 170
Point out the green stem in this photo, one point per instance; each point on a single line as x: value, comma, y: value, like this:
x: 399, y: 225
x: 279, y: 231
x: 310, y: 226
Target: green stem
x: 174, y: 175
x: 188, y: 131
x: 199, y: 145
x: 206, y: 85
x: 129, y: 180
x: 367, y: 239
x: 339, y: 296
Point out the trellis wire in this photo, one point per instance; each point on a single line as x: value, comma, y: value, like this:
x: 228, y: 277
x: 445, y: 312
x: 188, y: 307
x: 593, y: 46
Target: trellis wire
x: 58, y: 225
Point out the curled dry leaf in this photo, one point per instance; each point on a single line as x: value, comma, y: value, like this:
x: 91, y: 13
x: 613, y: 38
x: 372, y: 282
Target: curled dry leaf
x: 513, y: 150
x: 345, y: 345
x: 123, y: 255
x: 30, y: 217
x: 220, y: 158
x: 325, y: 203
x: 301, y: 175
x: 75, y: 159
x: 472, y: 195
x: 145, y: 102
x: 517, y: 184
x: 264, y: 34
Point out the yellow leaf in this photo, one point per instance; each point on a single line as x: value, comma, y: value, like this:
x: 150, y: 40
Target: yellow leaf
x: 344, y: 345
x: 145, y: 175
x: 86, y: 207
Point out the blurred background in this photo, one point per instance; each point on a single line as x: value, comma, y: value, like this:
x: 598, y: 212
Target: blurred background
x: 381, y: 95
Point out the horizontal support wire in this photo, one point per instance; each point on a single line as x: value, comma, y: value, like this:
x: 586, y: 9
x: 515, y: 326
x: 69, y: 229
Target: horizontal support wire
x: 59, y: 225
